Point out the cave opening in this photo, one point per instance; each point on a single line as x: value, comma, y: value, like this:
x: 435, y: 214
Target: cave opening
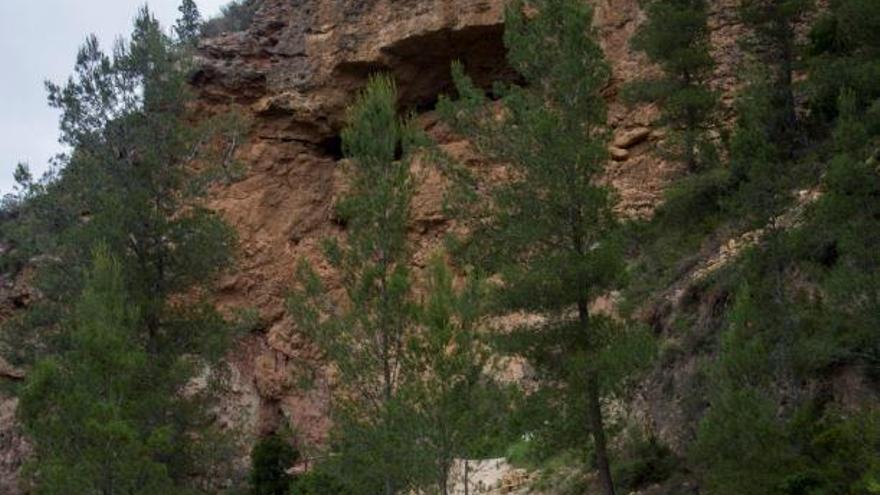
x: 421, y: 64
x: 331, y: 147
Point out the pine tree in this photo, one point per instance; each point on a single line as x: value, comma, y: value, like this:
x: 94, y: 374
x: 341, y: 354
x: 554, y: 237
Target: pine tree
x: 844, y: 55
x: 676, y: 36
x: 189, y: 25
x: 366, y: 338
x: 83, y: 409
x: 774, y: 42
x: 128, y: 184
x: 130, y: 175
x: 546, y: 229
x: 456, y: 406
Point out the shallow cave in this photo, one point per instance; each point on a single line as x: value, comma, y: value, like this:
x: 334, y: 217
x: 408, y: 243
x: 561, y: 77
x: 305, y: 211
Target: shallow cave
x: 421, y: 64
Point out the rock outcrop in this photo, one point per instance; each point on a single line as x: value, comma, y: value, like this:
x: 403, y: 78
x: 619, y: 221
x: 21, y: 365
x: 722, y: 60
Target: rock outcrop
x: 14, y: 448
x: 293, y: 73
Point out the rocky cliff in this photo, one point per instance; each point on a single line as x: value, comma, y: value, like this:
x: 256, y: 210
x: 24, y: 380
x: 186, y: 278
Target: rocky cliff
x: 294, y: 71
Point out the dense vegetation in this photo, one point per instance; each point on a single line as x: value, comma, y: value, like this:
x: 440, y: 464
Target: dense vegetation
x: 779, y: 346
x: 121, y: 250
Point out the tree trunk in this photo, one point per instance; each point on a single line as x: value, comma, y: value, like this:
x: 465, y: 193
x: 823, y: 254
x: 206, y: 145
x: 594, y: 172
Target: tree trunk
x: 597, y: 424
x: 690, y: 142
x: 444, y: 479
x: 389, y: 486
x: 786, y: 120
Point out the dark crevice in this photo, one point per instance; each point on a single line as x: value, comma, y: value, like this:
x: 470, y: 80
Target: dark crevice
x: 828, y: 255
x: 331, y: 147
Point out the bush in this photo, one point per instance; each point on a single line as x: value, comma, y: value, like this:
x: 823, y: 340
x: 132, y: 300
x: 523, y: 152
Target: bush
x: 270, y: 460
x: 318, y: 483
x: 741, y: 448
x: 237, y: 16
x: 644, y: 461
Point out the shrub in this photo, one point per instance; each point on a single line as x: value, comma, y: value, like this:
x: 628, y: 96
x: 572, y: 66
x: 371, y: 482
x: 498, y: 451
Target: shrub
x: 270, y: 459
x: 644, y: 461
x: 318, y: 483
x: 237, y: 16
x: 741, y: 448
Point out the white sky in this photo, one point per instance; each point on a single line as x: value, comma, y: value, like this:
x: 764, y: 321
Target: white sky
x: 39, y: 40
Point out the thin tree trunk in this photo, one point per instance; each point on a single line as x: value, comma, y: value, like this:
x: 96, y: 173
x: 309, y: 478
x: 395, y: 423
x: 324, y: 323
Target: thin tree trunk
x: 387, y: 386
x: 466, y: 489
x: 598, y: 427
x: 444, y: 479
x: 787, y: 121
x: 389, y: 486
x: 597, y: 424
x: 690, y: 132
x: 690, y: 142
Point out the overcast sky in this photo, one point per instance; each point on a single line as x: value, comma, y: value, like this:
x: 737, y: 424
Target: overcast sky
x: 38, y: 41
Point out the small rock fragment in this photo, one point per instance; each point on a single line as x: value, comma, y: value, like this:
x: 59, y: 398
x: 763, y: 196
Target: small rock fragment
x: 631, y: 138
x: 618, y: 154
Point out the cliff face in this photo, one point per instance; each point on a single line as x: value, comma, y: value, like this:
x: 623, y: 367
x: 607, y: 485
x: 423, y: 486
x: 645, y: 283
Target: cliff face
x: 292, y: 74
x: 294, y: 71
x: 14, y: 295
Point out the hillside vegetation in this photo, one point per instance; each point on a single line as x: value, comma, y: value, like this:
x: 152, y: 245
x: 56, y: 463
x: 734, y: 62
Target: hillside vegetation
x: 546, y: 328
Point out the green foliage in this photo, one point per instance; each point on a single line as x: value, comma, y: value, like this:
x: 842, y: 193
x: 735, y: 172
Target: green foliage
x: 126, y: 186
x: 676, y: 37
x: 521, y: 453
x: 741, y: 445
x: 807, y: 308
x: 644, y: 461
x: 189, y: 24
x: 549, y: 225
x: 236, y: 16
x: 843, y: 50
x: 415, y: 393
x: 367, y: 339
x: 565, y: 473
x: 555, y: 417
x: 693, y: 213
x: 316, y: 482
x: 271, y: 457
x: 744, y: 447
x: 758, y: 165
x: 546, y: 230
x: 83, y: 408
x: 460, y: 412
x: 774, y: 42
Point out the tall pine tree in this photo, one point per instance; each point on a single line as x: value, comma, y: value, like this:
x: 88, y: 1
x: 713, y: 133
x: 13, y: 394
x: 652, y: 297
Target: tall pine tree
x: 128, y: 184
x: 546, y: 229
x: 676, y: 36
x: 365, y: 338
x: 189, y: 24
x: 774, y: 43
